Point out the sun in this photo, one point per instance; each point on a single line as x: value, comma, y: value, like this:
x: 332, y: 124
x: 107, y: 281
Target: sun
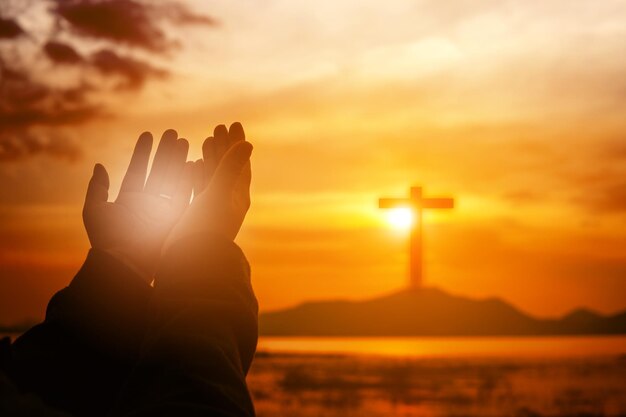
x: 400, y: 218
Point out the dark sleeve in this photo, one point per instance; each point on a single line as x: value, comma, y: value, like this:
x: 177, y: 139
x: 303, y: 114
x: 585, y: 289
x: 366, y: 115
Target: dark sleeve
x: 77, y: 359
x: 14, y: 403
x: 194, y: 361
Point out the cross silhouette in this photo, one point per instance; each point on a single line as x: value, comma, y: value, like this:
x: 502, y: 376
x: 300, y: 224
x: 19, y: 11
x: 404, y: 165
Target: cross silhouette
x: 416, y: 203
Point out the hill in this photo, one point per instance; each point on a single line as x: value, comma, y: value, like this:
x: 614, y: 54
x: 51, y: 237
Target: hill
x: 429, y: 312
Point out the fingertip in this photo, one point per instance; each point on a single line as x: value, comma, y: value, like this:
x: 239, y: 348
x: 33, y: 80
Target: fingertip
x: 170, y: 134
x: 220, y: 131
x: 236, y: 131
x: 101, y: 175
x: 145, y: 136
x: 144, y: 143
x: 183, y: 143
x: 99, y: 169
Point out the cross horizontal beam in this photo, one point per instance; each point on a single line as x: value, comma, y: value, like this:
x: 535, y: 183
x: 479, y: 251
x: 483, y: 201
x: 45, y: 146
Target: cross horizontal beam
x: 441, y: 203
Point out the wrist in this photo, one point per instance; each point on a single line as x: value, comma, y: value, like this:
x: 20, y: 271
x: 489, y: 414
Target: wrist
x: 133, y: 259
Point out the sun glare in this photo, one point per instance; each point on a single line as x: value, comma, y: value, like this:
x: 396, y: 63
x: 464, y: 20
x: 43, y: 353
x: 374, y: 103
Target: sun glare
x: 400, y: 218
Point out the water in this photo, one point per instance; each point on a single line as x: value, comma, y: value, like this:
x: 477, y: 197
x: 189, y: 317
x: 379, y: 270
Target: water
x: 450, y: 347
x: 431, y: 377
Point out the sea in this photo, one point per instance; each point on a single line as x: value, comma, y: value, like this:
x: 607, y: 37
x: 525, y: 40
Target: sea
x: 450, y: 347
x: 449, y: 376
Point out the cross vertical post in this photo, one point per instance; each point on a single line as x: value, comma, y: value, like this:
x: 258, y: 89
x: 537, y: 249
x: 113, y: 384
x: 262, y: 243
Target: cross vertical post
x: 416, y: 203
x: 415, y: 245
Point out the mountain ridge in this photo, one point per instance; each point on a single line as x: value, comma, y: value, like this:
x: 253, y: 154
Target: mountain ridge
x: 430, y: 312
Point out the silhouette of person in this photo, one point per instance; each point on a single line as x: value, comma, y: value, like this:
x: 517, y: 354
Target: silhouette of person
x: 161, y: 319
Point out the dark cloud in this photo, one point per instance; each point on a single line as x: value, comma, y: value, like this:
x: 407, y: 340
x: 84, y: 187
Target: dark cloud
x: 27, y: 105
x: 9, y: 29
x: 127, y: 21
x: 130, y: 73
x: 25, y: 102
x: 24, y: 144
x: 61, y: 53
x: 120, y: 21
x: 34, y: 108
x: 133, y: 73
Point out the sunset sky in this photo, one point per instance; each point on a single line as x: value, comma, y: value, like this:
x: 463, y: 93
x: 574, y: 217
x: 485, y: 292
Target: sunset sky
x: 516, y: 109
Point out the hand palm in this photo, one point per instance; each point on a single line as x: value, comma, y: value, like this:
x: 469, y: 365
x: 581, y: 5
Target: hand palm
x: 133, y: 217
x: 135, y: 226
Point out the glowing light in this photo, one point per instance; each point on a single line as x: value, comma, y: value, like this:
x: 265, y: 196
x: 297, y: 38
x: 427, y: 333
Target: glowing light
x: 400, y: 218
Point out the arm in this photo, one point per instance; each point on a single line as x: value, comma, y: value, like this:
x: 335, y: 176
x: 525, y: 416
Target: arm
x: 78, y: 357
x: 194, y: 361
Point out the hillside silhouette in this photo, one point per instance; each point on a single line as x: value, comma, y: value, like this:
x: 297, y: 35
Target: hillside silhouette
x: 429, y: 312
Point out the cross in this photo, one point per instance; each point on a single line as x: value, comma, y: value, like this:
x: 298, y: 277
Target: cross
x: 416, y: 203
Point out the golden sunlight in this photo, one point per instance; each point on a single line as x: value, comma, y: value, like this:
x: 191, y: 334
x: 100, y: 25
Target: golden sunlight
x: 401, y: 218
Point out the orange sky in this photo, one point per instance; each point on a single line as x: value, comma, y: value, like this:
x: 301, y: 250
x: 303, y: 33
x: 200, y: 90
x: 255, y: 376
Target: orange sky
x: 514, y: 108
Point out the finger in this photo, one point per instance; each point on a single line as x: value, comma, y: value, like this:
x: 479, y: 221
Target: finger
x: 161, y: 162
x: 236, y: 133
x: 175, y: 168
x: 98, y: 188
x: 221, y: 141
x: 231, y: 167
x: 242, y: 192
x: 243, y: 185
x: 209, y: 154
x: 198, y: 177
x: 245, y: 178
x: 137, y: 168
x: 183, y: 192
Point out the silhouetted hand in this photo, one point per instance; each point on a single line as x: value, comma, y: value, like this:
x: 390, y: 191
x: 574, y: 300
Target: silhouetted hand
x: 221, y: 186
x: 135, y: 226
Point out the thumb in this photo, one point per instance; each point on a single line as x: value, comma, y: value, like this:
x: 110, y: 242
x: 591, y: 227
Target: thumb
x: 98, y: 188
x: 231, y: 166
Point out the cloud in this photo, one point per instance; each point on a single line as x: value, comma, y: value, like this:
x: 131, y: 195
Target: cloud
x: 133, y: 72
x: 9, y: 29
x: 22, y: 144
x: 27, y: 105
x: 123, y: 21
x: 61, y: 53
x: 25, y: 102
x: 127, y: 21
x: 177, y: 13
x: 74, y: 70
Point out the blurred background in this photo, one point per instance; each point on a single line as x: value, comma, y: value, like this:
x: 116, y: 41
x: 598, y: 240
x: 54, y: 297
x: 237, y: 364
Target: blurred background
x: 514, y: 108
